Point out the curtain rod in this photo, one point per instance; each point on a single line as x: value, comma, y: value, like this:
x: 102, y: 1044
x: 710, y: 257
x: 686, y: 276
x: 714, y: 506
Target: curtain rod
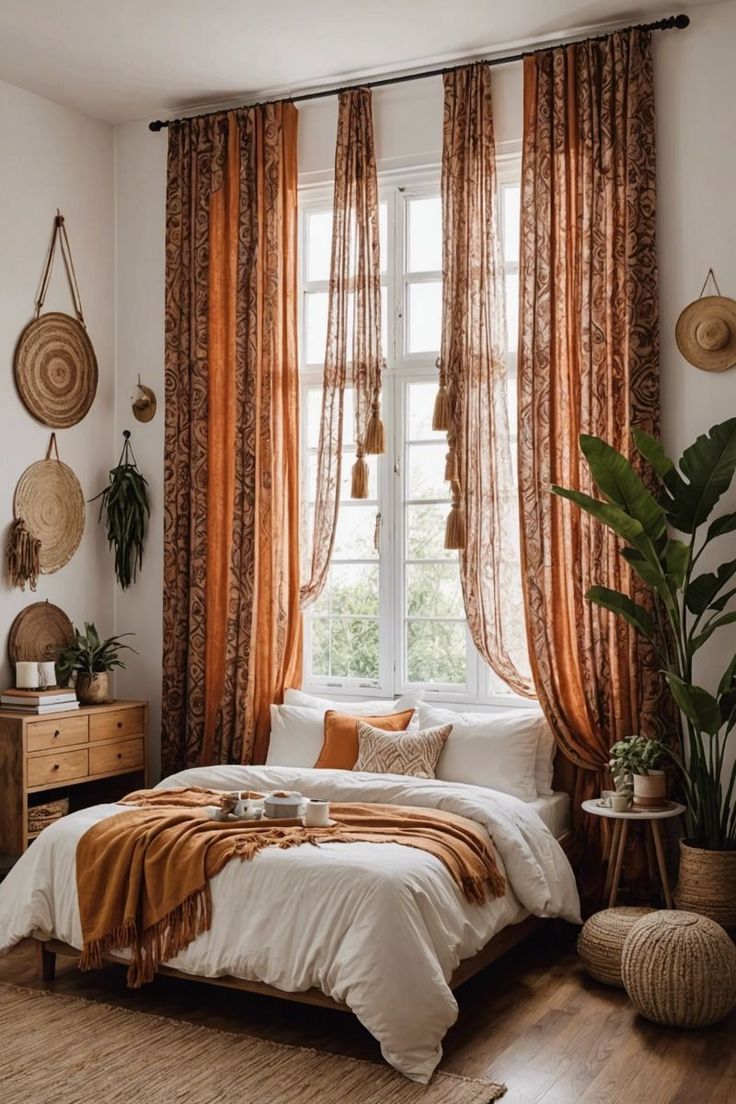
x: 671, y: 22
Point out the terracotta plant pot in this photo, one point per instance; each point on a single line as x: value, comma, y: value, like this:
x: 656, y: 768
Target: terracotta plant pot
x: 707, y: 884
x: 92, y: 689
x: 650, y: 790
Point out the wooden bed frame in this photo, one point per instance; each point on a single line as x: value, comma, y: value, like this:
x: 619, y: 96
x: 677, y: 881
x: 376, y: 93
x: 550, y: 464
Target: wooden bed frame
x: 503, y: 941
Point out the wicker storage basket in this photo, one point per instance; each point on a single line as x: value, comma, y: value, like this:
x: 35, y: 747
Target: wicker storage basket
x: 40, y: 816
x: 601, y: 942
x: 707, y: 884
x: 679, y: 969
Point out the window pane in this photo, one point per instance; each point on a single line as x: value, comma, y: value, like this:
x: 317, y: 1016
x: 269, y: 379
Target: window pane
x: 427, y: 471
x: 354, y: 650
x: 425, y: 316
x: 421, y: 398
x: 433, y: 590
x: 512, y: 311
x: 425, y: 533
x: 436, y: 652
x: 425, y: 234
x: 511, y: 216
x: 354, y: 590
x: 319, y: 244
x: 320, y: 645
x: 355, y: 535
x: 383, y: 234
x: 315, y: 326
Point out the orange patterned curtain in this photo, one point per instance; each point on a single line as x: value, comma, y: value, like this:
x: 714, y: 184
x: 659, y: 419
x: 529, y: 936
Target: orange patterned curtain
x: 588, y: 362
x: 472, y: 401
x: 353, y: 353
x: 232, y: 628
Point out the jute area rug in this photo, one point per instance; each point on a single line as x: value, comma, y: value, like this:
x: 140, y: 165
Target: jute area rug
x: 63, y: 1050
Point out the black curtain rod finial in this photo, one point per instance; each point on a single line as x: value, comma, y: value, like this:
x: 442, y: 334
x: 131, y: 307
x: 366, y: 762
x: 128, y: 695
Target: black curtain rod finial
x: 669, y: 23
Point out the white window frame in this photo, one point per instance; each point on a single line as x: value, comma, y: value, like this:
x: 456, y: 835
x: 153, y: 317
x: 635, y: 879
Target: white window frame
x: 402, y: 368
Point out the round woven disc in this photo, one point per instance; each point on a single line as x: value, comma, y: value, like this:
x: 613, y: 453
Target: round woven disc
x: 39, y: 632
x: 56, y: 369
x: 50, y: 501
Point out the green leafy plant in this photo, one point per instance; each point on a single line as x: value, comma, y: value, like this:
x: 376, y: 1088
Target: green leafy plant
x: 89, y: 655
x: 125, y: 504
x: 635, y: 755
x: 689, y: 603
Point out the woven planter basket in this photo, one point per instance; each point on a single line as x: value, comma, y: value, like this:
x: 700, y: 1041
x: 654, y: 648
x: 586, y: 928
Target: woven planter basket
x: 679, y: 969
x: 601, y: 942
x: 707, y: 884
x: 40, y: 816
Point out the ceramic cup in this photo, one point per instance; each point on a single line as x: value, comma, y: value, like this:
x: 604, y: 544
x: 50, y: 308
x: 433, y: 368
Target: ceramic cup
x: 316, y: 813
x: 606, y: 796
x: 620, y: 802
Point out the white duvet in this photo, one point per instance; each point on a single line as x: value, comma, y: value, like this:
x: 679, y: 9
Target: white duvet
x: 380, y: 927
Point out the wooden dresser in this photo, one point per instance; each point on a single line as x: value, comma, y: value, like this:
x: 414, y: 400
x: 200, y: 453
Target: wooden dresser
x: 93, y: 755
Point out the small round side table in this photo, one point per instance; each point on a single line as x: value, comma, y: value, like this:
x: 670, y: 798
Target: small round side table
x: 620, y: 836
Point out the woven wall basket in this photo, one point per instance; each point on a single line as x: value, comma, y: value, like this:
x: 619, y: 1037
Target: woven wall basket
x: 50, y: 501
x: 39, y: 632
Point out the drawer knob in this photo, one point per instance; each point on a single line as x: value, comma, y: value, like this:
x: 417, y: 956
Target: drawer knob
x: 56, y: 766
x: 120, y: 724
x: 56, y: 733
x: 120, y: 755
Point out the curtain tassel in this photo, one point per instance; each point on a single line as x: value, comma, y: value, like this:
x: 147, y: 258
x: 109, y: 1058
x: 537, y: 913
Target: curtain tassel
x: 455, y: 527
x: 375, y: 435
x: 452, y: 471
x: 359, y: 479
x: 441, y: 412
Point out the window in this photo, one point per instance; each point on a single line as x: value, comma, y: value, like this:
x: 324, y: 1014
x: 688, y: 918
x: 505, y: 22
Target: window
x: 391, y: 616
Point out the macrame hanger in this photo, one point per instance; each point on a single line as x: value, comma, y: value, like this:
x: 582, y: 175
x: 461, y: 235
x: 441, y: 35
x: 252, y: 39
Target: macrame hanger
x: 711, y: 276
x: 61, y: 236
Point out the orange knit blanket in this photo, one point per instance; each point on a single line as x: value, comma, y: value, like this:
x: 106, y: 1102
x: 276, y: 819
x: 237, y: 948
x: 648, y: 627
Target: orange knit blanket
x: 143, y: 875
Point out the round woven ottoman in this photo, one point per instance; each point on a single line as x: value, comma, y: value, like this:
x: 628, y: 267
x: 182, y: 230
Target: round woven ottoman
x: 679, y: 968
x: 601, y: 942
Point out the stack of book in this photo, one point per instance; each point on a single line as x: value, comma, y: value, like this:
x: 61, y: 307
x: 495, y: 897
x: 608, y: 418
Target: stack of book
x: 38, y: 701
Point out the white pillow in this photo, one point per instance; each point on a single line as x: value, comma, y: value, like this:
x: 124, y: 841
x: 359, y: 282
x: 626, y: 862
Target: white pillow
x: 370, y: 708
x: 497, y: 750
x: 297, y: 735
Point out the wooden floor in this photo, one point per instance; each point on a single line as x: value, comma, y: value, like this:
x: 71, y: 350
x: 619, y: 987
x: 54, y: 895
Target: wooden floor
x: 532, y: 1021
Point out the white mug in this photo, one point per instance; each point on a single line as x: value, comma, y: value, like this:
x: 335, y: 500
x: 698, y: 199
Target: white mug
x: 619, y: 802
x: 317, y: 813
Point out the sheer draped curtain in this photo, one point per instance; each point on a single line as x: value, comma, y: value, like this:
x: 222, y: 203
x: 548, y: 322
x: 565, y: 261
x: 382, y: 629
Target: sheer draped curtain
x: 588, y: 362
x: 472, y: 400
x: 353, y: 353
x: 232, y: 630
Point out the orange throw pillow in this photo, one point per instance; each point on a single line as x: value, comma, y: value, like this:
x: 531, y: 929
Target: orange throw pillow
x: 340, y: 746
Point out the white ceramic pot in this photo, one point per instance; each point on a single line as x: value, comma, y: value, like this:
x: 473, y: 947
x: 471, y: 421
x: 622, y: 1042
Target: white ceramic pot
x: 650, y: 790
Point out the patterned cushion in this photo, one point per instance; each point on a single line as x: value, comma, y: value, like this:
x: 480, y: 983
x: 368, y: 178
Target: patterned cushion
x: 414, y: 753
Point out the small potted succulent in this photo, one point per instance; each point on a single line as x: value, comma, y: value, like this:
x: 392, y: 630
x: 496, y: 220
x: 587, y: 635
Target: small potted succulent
x: 634, y: 762
x: 91, y: 660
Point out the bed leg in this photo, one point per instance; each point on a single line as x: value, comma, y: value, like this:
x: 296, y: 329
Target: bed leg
x: 45, y: 962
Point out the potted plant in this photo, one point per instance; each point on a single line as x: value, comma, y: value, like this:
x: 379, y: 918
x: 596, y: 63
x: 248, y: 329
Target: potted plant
x: 633, y: 763
x: 690, y: 607
x: 91, y: 659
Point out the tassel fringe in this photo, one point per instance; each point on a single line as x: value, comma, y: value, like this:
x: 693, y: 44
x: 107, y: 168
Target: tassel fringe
x: 24, y: 564
x: 455, y: 527
x: 375, y: 435
x: 441, y: 412
x: 452, y: 472
x: 359, y: 480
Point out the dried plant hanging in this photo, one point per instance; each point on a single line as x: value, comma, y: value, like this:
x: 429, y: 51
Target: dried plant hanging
x: 125, y: 504
x: 24, y: 556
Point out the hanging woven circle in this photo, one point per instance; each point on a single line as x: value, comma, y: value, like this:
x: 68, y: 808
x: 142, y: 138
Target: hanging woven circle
x: 39, y: 633
x: 50, y: 501
x: 56, y: 369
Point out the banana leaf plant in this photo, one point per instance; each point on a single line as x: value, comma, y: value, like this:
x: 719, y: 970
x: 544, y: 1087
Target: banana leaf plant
x: 125, y: 506
x: 690, y: 603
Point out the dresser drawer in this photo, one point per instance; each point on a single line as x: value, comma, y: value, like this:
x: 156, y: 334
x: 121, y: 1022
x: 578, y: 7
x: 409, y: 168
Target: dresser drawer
x: 57, y: 733
x: 126, y: 755
x: 46, y: 770
x: 123, y: 722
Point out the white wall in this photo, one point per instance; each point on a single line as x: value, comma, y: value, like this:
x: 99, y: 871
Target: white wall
x: 696, y: 91
x: 53, y: 157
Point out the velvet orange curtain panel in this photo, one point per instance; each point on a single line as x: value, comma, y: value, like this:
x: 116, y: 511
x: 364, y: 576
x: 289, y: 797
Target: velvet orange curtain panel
x: 232, y: 630
x: 588, y: 362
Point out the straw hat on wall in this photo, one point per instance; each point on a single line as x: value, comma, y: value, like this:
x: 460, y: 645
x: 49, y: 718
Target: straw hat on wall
x: 706, y: 331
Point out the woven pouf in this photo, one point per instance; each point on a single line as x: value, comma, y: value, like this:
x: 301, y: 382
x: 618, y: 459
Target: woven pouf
x: 601, y: 942
x: 679, y: 969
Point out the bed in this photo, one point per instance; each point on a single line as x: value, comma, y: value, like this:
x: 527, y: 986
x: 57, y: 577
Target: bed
x: 379, y: 930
